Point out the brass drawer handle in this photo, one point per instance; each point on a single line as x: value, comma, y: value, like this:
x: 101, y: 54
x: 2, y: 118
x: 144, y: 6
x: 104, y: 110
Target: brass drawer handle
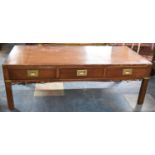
x: 32, y: 73
x: 82, y: 72
x: 127, y: 71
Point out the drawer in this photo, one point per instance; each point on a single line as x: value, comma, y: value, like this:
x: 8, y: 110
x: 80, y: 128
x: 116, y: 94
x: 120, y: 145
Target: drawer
x: 135, y: 72
x: 81, y: 73
x: 26, y: 74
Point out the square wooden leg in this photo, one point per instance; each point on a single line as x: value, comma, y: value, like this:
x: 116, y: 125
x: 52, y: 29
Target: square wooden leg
x: 142, y: 91
x: 8, y: 87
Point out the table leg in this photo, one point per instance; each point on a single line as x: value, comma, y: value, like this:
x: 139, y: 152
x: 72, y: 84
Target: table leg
x: 142, y: 91
x: 8, y: 87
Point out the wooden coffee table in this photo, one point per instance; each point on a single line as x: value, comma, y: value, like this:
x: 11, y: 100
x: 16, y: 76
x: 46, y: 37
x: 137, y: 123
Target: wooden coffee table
x: 42, y: 63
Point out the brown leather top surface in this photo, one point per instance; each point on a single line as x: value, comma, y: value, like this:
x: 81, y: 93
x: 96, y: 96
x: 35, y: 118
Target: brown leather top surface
x: 74, y: 55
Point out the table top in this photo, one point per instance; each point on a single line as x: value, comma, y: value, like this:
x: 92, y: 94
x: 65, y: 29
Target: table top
x: 74, y: 55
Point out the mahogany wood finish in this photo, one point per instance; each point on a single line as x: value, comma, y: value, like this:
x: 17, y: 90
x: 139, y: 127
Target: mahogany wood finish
x: 42, y: 63
x: 143, y: 91
x: 74, y: 55
x: 8, y: 87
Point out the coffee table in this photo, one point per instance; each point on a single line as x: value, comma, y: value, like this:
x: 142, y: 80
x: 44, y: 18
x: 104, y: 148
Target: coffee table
x: 42, y: 63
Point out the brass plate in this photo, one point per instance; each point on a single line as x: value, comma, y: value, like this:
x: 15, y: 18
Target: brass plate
x: 32, y: 73
x: 8, y: 81
x: 82, y: 72
x: 127, y: 71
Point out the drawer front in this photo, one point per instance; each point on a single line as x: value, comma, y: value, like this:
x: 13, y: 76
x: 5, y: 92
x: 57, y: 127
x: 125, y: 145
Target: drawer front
x: 135, y: 72
x: 81, y: 73
x: 28, y: 74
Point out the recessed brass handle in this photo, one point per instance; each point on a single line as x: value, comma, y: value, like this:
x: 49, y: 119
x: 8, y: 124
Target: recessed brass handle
x: 82, y: 72
x: 127, y: 71
x: 32, y: 73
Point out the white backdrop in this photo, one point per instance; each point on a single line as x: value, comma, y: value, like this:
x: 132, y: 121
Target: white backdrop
x: 77, y: 21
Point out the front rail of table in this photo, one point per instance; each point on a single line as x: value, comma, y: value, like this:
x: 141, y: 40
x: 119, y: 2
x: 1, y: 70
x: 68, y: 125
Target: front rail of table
x: 80, y: 74
x: 87, y: 68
